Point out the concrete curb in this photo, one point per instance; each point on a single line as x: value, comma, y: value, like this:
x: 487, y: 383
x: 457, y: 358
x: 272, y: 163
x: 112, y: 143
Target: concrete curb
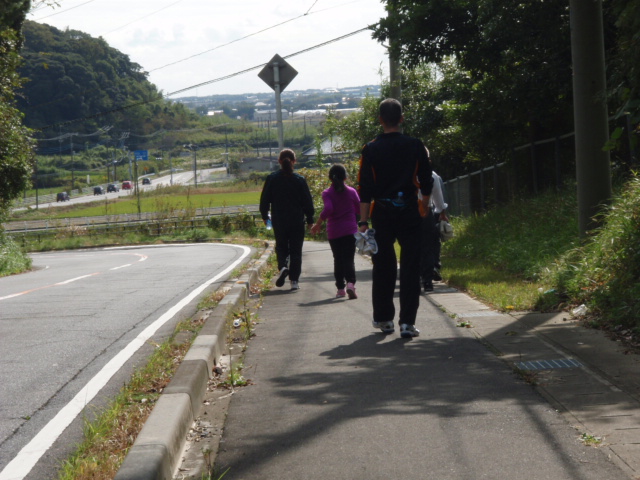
x: 157, y: 451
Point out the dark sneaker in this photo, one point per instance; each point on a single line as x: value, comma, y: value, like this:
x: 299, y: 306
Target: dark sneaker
x: 408, y: 331
x: 351, y: 291
x: 386, y: 327
x: 436, y: 275
x: 428, y: 286
x: 282, y: 276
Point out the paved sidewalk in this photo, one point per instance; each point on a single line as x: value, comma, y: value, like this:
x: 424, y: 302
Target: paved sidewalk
x: 331, y: 397
x: 581, y: 372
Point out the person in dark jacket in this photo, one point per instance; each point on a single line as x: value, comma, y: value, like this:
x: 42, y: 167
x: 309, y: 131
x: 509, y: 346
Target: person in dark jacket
x: 286, y: 194
x: 391, y: 168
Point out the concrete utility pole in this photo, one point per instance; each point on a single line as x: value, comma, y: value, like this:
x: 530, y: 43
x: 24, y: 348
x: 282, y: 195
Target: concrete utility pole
x: 395, y: 75
x: 593, y: 169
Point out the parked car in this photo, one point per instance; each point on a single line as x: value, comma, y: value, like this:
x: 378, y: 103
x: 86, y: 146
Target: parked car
x: 127, y: 185
x: 113, y: 187
x: 98, y: 190
x: 62, y: 197
x: 146, y: 181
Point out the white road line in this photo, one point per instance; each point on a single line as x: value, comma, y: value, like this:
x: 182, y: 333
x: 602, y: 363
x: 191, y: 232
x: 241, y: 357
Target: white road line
x: 26, y: 459
x: 121, y: 266
x: 76, y: 279
x: 65, y: 282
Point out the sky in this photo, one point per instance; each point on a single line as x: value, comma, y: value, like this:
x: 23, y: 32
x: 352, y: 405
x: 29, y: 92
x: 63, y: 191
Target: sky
x: 189, y: 46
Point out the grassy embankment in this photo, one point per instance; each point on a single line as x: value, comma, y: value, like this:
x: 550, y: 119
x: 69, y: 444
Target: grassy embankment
x: 528, y: 256
x: 169, y: 203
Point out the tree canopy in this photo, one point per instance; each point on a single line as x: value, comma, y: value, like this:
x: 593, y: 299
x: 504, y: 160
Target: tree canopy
x: 15, y: 146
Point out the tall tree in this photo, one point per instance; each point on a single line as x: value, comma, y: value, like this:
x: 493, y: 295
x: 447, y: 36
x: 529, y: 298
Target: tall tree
x: 517, y: 56
x: 15, y: 146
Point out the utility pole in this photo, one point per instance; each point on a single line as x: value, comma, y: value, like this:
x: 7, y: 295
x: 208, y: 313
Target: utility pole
x: 593, y: 170
x: 195, y: 167
x: 395, y: 72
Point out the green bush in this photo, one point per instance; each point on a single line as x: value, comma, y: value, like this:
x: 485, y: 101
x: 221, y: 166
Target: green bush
x: 604, y: 273
x: 12, y: 258
x: 198, y: 235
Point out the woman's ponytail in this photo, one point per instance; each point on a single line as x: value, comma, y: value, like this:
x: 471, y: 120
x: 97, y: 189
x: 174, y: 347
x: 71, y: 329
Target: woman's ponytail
x: 286, y: 159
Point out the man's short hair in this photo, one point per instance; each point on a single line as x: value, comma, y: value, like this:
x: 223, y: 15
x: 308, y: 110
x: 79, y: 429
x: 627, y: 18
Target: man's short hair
x: 390, y: 112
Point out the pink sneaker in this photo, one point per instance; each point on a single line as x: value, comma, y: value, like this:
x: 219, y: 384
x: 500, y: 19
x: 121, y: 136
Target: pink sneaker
x: 341, y: 293
x: 351, y: 291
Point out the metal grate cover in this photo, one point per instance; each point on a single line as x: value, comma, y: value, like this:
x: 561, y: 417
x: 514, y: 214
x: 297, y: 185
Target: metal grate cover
x: 549, y: 364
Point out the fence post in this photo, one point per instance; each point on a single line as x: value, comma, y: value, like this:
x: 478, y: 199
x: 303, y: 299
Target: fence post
x: 629, y: 128
x: 533, y: 168
x: 556, y: 153
x: 482, y: 199
x: 496, y: 185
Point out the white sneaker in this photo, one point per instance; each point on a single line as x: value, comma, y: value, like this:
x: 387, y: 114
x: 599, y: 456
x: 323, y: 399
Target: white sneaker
x: 386, y: 327
x: 408, y: 331
x: 294, y: 285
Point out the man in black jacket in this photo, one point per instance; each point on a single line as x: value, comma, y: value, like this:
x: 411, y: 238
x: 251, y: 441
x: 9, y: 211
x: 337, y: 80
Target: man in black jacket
x: 392, y: 168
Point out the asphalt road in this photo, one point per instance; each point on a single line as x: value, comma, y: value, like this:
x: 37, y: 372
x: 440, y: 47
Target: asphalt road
x: 72, y: 331
x: 178, y: 178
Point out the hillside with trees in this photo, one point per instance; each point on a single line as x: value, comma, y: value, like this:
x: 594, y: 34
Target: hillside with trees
x: 71, y: 76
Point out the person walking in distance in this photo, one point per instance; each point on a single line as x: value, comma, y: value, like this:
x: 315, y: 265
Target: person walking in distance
x: 286, y: 195
x: 430, y: 255
x: 391, y: 168
x: 341, y: 210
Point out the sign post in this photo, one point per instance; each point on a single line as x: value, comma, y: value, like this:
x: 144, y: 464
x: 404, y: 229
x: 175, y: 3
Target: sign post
x: 278, y: 74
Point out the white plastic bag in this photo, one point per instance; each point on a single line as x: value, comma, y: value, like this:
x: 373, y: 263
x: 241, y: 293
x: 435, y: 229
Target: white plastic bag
x: 446, y: 231
x: 366, y: 242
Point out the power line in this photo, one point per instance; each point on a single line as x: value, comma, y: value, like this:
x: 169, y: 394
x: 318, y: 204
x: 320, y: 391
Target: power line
x: 64, y: 11
x: 249, y: 36
x: 311, y: 7
x: 219, y: 79
x: 142, y: 18
x: 262, y: 64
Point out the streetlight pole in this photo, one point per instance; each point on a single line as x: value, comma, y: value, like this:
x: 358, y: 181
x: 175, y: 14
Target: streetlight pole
x: 193, y: 148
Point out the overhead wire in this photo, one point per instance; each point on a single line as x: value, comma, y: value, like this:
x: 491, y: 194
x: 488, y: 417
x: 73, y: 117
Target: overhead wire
x: 314, y: 3
x: 209, y: 82
x: 142, y: 18
x: 215, y: 48
x: 64, y: 11
x: 249, y: 35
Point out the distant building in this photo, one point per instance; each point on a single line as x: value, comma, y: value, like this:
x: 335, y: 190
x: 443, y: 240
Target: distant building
x: 268, y: 115
x: 331, y: 150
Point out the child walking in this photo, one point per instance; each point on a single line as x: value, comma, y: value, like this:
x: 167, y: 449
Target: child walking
x: 341, y: 207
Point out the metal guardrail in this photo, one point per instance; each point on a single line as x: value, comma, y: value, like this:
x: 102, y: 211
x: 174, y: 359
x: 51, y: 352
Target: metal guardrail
x: 26, y: 226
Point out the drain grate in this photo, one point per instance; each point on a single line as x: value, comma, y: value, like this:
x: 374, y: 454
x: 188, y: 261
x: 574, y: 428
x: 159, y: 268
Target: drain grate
x: 549, y: 364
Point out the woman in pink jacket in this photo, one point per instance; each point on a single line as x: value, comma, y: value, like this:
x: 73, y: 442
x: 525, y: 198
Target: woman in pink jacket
x: 341, y: 207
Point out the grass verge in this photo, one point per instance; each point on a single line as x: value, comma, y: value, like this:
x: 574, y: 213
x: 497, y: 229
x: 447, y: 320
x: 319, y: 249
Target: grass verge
x: 108, y: 436
x: 528, y: 255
